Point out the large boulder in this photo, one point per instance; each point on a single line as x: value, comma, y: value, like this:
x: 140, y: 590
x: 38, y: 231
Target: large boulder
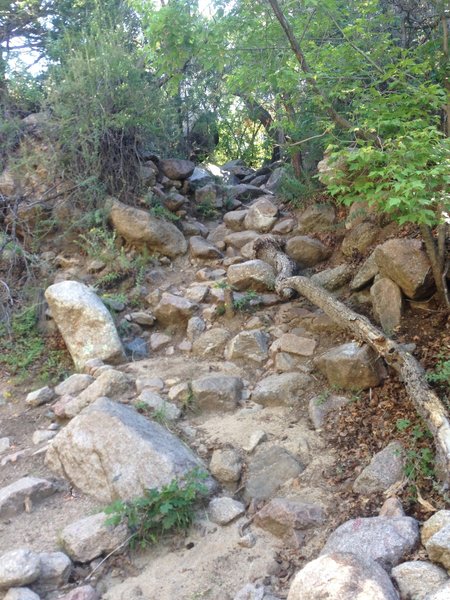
x: 386, y: 540
x: 306, y: 251
x: 406, y: 263
x: 261, y: 215
x: 19, y: 567
x: 217, y: 392
x: 352, y: 367
x: 84, y: 322
x: 360, y: 238
x: 176, y: 168
x: 387, y: 303
x: 109, y: 451
x: 342, y: 576
x: 252, y: 274
x: 142, y: 229
x: 248, y: 346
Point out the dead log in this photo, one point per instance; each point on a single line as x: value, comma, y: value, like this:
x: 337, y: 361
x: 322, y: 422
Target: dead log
x: 411, y: 373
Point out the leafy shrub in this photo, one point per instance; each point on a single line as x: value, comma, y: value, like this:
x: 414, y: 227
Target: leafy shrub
x: 159, y: 510
x: 295, y: 191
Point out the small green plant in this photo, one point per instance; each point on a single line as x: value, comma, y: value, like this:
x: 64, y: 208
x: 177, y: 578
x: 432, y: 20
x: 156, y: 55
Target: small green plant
x: 249, y: 301
x: 206, y: 209
x: 159, y: 511
x: 322, y: 398
x: 441, y: 372
x: 161, y: 212
x: 419, y: 459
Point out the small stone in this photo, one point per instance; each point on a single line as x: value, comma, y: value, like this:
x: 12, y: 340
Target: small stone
x: 85, y: 592
x: 438, y: 547
x: 4, y: 444
x: 141, y: 317
x: 392, y: 507
x: 224, y: 510
x: 19, y: 567
x: 74, y: 384
x: 176, y: 168
x: 41, y: 396
x: 174, y: 310
x: 155, y: 384
x: 197, y: 294
x: 239, y: 239
x: 55, y: 571
x: 185, y: 346
x: 385, y: 469
x: 295, y: 344
x: 195, y: 327
x: 13, y: 497
x: 211, y: 343
x: 234, y: 220
x: 415, y: 579
x: 42, y: 435
x: 226, y: 465
x: 159, y: 340
x: 434, y: 524
x: 317, y: 217
x: 284, y: 226
x: 248, y: 540
x: 21, y: 593
x: 286, y: 389
x: 137, y: 348
x: 249, y: 346
x: 280, y: 516
x: 257, y: 437
x: 321, y: 407
x: 90, y: 537
x: 203, y: 249
x: 166, y: 410
x: 268, y: 470
x: 217, y: 392
x: 180, y: 392
x: 251, y: 592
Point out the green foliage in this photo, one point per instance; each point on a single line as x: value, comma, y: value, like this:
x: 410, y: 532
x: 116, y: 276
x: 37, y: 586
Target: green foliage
x: 23, y: 350
x: 420, y: 461
x: 98, y: 139
x: 294, y: 191
x: 408, y: 176
x: 441, y: 372
x: 249, y: 302
x: 206, y: 209
x: 159, y: 511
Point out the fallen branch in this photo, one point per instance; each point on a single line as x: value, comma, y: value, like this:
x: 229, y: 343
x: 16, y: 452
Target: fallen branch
x: 426, y: 402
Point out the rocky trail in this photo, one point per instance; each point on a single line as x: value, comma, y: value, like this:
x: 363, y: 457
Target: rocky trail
x: 214, y: 368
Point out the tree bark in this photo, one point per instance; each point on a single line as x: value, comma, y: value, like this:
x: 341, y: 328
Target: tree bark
x: 426, y: 402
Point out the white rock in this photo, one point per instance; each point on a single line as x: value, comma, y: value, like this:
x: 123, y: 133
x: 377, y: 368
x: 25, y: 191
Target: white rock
x: 40, y: 396
x: 19, y: 567
x: 84, y: 322
x: 224, y: 510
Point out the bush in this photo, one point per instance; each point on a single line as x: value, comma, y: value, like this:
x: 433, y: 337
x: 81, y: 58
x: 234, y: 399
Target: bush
x: 159, y: 510
x: 106, y: 107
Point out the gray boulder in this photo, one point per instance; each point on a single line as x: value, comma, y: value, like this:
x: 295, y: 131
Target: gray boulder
x: 176, y: 168
x: 84, y: 322
x: 385, y: 468
x: 406, y: 263
x: 14, y: 496
x: 317, y: 217
x: 249, y: 346
x: 19, y: 568
x: 87, y: 538
x: 342, y: 576
x: 21, y: 593
x: 307, y: 251
x: 253, y: 274
x: 56, y: 568
x: 217, y: 392
x: 142, y: 229
x: 109, y: 451
x: 417, y: 578
x: 352, y: 367
x: 386, y: 540
x: 261, y: 215
x: 268, y: 470
x: 286, y: 389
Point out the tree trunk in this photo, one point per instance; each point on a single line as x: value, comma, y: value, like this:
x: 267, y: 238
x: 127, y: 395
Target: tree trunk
x: 426, y: 402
